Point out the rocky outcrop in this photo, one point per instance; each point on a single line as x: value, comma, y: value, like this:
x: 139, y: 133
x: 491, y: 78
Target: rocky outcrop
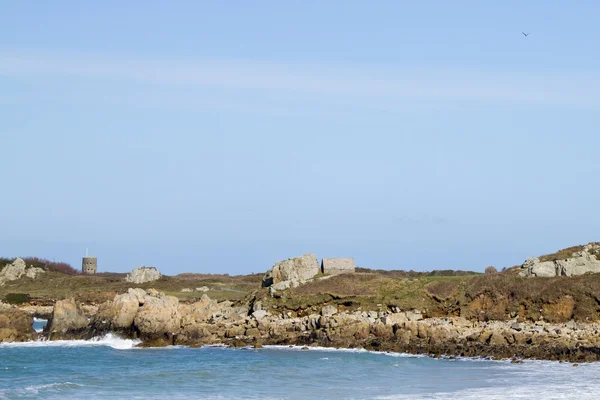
x: 143, y: 275
x: 578, y: 263
x: 15, y: 325
x: 292, y: 272
x: 16, y: 270
x: 118, y: 315
x: 68, y: 321
x: 161, y: 320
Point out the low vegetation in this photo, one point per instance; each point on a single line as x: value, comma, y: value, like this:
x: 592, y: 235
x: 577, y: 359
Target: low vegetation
x: 568, y: 252
x: 60, y: 282
x: 46, y: 265
x: 490, y: 296
x: 16, y: 298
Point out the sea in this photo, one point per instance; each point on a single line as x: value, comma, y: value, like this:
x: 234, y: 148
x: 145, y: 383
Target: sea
x: 113, y: 368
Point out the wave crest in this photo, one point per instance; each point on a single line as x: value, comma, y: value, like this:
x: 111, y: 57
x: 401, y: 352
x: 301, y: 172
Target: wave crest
x: 109, y: 340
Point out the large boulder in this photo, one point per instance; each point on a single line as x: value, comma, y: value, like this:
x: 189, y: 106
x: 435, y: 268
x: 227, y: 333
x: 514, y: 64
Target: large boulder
x: 118, y: 314
x: 297, y: 270
x: 68, y: 321
x: 16, y: 325
x: 158, y: 319
x: 143, y: 275
x: 578, y: 263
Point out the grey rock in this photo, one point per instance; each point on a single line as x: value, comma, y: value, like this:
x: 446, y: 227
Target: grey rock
x: 329, y: 310
x: 13, y: 271
x: 414, y: 315
x: 16, y: 270
x: 543, y: 269
x: 34, y: 272
x: 297, y: 269
x: 282, y: 285
x: 578, y: 263
x: 582, y: 263
x: 143, y: 275
x: 202, y: 289
x: 259, y: 314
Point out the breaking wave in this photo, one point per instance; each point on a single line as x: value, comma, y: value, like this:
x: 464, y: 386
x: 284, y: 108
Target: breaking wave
x: 109, y: 340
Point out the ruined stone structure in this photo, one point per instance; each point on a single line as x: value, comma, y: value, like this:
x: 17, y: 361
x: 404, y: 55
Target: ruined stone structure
x: 89, y: 265
x: 333, y: 266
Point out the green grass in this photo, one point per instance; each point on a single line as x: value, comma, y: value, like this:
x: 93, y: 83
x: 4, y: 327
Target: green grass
x: 97, y: 288
x: 16, y: 298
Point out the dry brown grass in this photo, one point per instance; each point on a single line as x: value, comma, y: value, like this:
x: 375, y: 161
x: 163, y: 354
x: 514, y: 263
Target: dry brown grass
x: 443, y: 290
x: 525, y: 297
x: 561, y: 254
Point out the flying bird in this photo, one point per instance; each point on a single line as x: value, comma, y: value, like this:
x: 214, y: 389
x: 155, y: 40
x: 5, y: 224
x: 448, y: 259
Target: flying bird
x: 526, y: 34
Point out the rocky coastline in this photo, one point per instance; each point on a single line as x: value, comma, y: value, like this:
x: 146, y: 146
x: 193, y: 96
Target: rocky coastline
x: 516, y: 314
x: 160, y: 320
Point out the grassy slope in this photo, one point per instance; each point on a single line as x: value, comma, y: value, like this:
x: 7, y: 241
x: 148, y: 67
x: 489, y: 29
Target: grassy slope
x: 483, y: 297
x: 97, y: 288
x: 497, y: 296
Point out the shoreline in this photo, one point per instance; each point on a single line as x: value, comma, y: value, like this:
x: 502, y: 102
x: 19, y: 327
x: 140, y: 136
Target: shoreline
x: 106, y: 342
x: 159, y: 320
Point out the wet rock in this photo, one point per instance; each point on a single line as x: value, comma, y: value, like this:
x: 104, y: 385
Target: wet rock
x: 68, y: 321
x: 16, y: 325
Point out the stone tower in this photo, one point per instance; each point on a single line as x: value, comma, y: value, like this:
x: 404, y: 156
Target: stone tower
x: 89, y: 265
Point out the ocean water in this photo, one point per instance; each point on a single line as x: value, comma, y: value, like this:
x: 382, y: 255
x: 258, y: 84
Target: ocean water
x: 111, y: 368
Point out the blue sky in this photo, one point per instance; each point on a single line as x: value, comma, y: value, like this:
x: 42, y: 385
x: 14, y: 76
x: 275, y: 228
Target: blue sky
x: 223, y: 136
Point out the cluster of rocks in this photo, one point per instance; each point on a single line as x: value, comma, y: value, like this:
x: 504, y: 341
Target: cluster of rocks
x: 18, y: 269
x: 161, y: 320
x: 579, y: 263
x: 143, y: 275
x: 15, y: 325
x: 150, y: 315
x: 299, y: 270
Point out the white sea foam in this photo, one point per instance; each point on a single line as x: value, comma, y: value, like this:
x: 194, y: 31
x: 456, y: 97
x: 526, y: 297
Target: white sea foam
x: 36, y: 389
x: 501, y: 393
x: 39, y: 320
x: 109, y: 340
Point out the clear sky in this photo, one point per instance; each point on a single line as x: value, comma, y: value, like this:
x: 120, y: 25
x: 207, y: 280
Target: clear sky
x: 200, y: 136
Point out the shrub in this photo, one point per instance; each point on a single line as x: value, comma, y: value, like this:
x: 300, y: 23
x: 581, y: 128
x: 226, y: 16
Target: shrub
x: 442, y: 290
x: 491, y: 270
x: 16, y: 298
x: 48, y: 265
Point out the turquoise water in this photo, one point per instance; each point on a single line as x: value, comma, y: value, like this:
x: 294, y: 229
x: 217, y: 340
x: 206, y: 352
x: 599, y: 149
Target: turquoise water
x: 110, y: 368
